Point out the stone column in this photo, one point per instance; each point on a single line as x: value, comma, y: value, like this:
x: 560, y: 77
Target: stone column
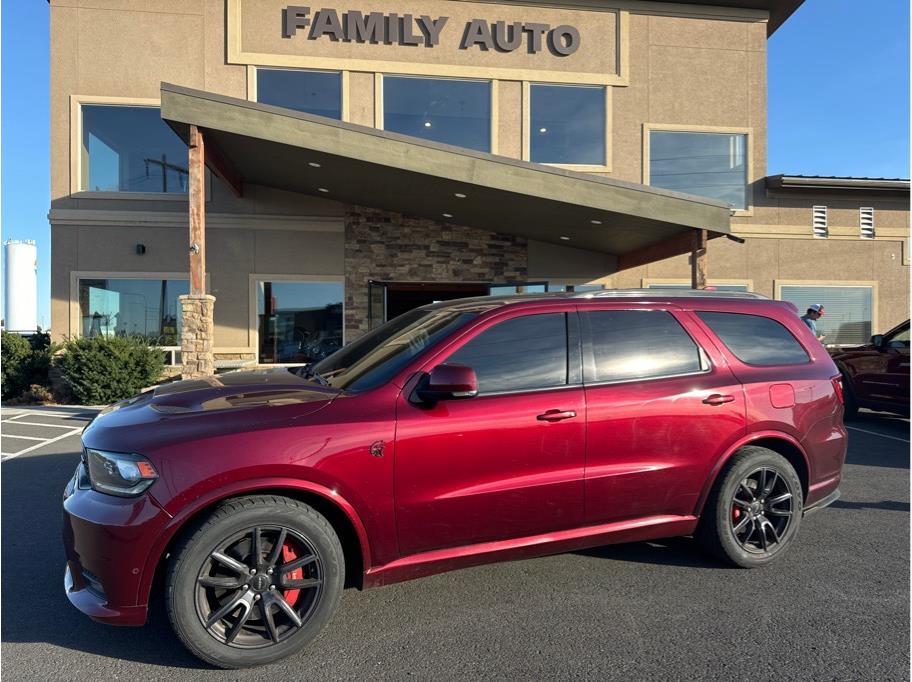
x: 197, y: 336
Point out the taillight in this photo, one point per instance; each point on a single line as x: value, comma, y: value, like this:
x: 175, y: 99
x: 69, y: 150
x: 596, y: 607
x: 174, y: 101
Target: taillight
x: 837, y: 387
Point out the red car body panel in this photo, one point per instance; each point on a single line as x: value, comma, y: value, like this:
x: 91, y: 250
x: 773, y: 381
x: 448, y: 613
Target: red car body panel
x: 428, y: 488
x: 878, y: 376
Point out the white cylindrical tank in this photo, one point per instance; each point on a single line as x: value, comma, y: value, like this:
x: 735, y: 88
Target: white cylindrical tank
x: 21, y: 305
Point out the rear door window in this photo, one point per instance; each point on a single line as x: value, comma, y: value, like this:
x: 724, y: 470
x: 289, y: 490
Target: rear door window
x: 638, y: 344
x: 520, y: 354
x: 756, y: 340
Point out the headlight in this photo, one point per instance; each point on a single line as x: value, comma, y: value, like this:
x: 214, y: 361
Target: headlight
x: 119, y: 474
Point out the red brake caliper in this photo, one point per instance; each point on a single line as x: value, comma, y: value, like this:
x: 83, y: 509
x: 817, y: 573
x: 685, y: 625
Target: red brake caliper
x: 735, y: 513
x: 289, y: 554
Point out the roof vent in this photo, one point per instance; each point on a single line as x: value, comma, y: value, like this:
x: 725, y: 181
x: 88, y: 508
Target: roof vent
x: 820, y: 222
x: 866, y: 221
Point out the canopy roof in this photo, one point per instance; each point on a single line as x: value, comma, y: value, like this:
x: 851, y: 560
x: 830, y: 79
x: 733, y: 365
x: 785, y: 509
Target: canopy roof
x: 276, y: 147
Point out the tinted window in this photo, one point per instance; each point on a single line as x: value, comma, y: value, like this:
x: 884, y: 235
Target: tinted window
x: 707, y: 164
x: 376, y: 357
x: 299, y: 322
x: 639, y: 344
x: 313, y: 92
x: 127, y: 307
x: 756, y: 340
x: 456, y: 112
x: 131, y: 149
x: 567, y: 124
x: 519, y: 354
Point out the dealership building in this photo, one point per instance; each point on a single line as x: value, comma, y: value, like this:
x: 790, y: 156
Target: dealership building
x: 252, y: 182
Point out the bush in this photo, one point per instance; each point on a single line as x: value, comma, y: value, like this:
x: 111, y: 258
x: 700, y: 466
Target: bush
x: 24, y: 362
x: 35, y: 394
x: 104, y: 369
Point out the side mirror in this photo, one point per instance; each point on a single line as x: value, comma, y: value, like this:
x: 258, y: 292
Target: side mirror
x: 877, y: 341
x: 448, y: 382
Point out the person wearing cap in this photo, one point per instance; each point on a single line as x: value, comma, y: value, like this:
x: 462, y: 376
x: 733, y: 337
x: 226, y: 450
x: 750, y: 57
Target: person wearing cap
x: 814, y: 313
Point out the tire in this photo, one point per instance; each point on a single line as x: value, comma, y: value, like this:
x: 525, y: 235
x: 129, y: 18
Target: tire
x: 850, y: 405
x: 733, y: 502
x: 259, y: 629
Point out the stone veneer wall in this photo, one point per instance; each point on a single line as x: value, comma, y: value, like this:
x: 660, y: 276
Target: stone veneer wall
x: 391, y: 247
x: 197, y: 336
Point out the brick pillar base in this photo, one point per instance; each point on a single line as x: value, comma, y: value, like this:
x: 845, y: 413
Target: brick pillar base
x: 196, y: 336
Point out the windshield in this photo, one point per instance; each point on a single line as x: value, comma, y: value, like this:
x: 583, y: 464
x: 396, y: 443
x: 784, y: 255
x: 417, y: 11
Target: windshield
x: 379, y: 355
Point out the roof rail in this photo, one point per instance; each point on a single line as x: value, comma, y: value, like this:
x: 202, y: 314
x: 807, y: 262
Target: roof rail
x: 669, y: 292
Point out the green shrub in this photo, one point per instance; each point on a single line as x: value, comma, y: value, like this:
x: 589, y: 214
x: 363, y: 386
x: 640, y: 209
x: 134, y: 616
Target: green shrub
x: 24, y: 362
x: 104, y: 369
x: 35, y: 394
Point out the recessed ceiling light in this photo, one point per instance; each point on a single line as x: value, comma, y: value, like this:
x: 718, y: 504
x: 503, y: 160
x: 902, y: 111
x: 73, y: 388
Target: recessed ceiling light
x: 447, y: 215
x: 427, y: 124
x: 566, y: 239
x: 322, y: 189
x: 313, y: 164
x: 459, y: 195
x: 543, y: 130
x: 596, y: 222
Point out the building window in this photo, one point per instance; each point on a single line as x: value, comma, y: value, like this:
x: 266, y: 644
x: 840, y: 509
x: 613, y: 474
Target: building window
x: 313, y: 92
x: 866, y: 221
x: 846, y: 310
x: 447, y: 110
x: 132, y: 307
x: 712, y: 165
x: 298, y: 322
x: 130, y: 149
x: 567, y: 124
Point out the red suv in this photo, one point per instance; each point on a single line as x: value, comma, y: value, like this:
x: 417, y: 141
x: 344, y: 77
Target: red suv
x: 456, y: 434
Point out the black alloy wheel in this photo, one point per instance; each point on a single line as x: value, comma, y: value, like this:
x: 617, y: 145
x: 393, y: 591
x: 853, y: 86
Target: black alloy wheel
x: 761, y: 510
x: 258, y: 587
x: 255, y: 581
x: 754, y: 508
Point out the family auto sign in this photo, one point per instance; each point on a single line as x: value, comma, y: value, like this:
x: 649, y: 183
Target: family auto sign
x: 354, y: 26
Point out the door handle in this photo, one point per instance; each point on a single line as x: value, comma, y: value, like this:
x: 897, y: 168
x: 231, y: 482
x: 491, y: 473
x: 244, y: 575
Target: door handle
x: 718, y: 399
x: 556, y: 415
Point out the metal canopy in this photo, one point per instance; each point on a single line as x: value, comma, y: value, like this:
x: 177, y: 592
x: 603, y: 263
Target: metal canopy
x: 252, y: 143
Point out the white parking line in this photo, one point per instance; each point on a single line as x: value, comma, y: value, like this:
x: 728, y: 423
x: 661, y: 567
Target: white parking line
x: 52, y: 426
x: 8, y: 457
x: 9, y: 435
x: 874, y: 433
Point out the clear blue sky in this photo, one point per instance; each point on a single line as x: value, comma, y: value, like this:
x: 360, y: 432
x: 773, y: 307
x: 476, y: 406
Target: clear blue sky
x: 838, y: 105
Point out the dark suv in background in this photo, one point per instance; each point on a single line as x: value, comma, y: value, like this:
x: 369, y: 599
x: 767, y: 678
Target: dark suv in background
x: 456, y: 434
x: 876, y: 375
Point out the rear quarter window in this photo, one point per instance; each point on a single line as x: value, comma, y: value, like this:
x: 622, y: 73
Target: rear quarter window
x: 756, y: 340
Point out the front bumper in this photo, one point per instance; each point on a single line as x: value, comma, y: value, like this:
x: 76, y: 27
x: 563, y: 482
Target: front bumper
x: 107, y: 541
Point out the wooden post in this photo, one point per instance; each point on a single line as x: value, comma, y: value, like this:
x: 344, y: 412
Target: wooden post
x: 698, y: 260
x: 197, y: 198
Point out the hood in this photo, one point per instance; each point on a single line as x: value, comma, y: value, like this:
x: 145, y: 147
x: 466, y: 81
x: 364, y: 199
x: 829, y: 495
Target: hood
x: 237, y: 390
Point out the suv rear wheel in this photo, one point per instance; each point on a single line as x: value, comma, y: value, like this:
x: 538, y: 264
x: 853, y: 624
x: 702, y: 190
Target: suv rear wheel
x: 256, y: 582
x: 754, y: 509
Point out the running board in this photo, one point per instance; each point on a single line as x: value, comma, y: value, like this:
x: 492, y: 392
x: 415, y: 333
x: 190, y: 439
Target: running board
x: 825, y: 502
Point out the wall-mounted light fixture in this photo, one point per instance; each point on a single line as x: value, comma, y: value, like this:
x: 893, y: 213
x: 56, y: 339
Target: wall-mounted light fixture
x: 140, y: 249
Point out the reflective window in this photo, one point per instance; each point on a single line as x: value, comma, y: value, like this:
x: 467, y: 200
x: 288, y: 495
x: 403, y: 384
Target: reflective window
x: 130, y: 149
x: 846, y: 311
x: 639, y: 344
x: 712, y: 165
x: 519, y: 354
x: 456, y: 112
x: 899, y: 339
x: 567, y: 124
x: 756, y: 340
x: 313, y: 92
x: 126, y: 307
x: 298, y: 322
x: 379, y: 355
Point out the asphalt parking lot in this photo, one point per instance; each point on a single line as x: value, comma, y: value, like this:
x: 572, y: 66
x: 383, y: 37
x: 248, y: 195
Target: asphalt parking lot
x: 836, y: 607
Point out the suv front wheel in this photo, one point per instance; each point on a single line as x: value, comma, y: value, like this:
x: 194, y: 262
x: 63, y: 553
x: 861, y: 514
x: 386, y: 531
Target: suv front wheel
x: 256, y: 581
x: 754, y: 510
